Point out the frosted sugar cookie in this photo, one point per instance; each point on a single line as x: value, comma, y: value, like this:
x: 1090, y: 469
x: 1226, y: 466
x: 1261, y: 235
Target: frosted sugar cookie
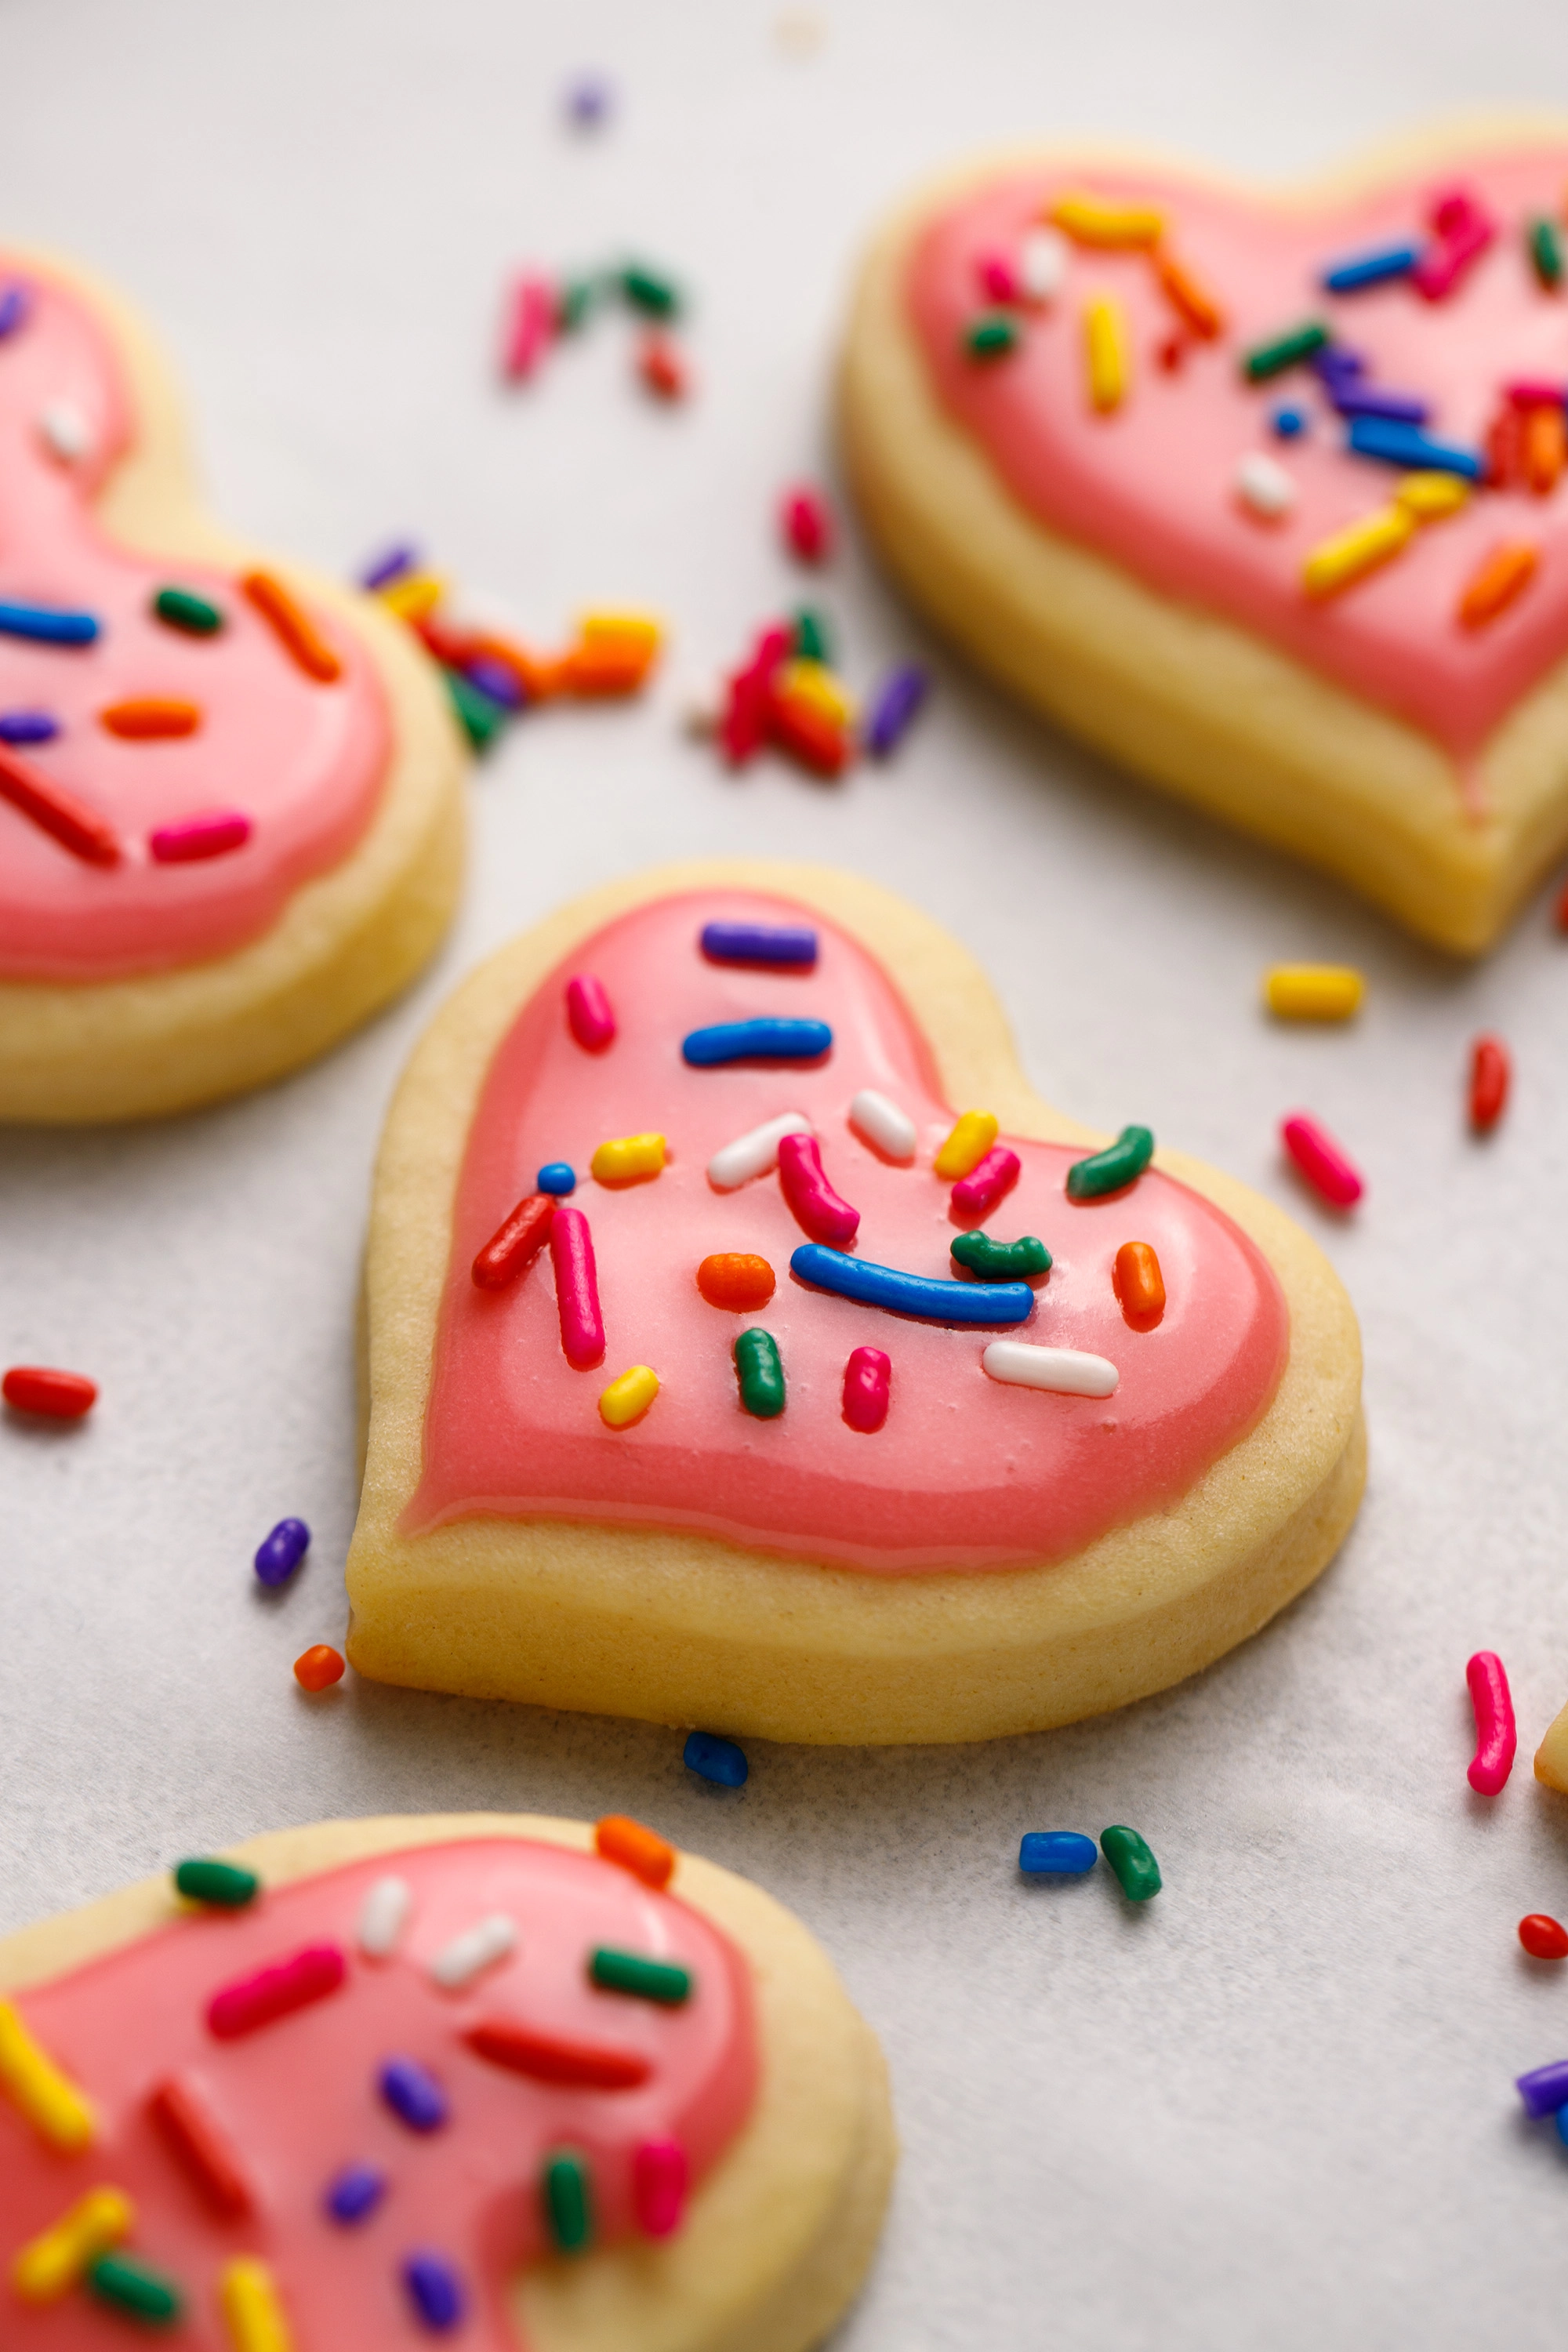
x: 750, y: 1348
x: 230, y: 792
x: 1263, y: 493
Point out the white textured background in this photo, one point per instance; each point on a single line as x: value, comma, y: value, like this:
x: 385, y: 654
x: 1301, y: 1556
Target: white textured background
x: 1275, y: 2107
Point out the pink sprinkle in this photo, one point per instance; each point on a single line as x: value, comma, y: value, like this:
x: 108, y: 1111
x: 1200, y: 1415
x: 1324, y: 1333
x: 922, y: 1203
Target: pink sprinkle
x: 817, y: 1207
x: 207, y: 836
x: 275, y: 1993
x: 588, y: 1011
x: 867, y: 1378
x: 1464, y: 232
x: 1496, y: 1737
x: 807, y: 522
x: 743, y: 729
x: 1321, y: 1161
x: 529, y: 323
x: 976, y: 1194
x: 997, y: 277
x: 658, y: 2186
x: 577, y: 1289
x: 1533, y: 392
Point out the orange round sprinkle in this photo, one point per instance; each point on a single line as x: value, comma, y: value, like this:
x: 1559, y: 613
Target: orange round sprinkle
x: 1493, y: 588
x: 292, y: 626
x: 641, y: 1851
x: 319, y: 1668
x: 1140, y: 1285
x: 732, y: 1279
x: 144, y: 721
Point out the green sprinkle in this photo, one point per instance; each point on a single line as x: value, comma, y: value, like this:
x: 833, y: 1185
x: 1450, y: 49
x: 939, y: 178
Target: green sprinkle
x: 1109, y: 1170
x: 658, y: 1981
x: 573, y: 301
x: 182, y: 610
x: 480, y: 716
x: 812, y: 642
x: 1546, y: 252
x: 1137, y: 1872
x: 134, y: 2289
x: 568, y: 2207
x: 1285, y: 351
x: 991, y: 337
x: 219, y: 1883
x: 649, y: 290
x: 1002, y: 1260
x: 762, y: 1373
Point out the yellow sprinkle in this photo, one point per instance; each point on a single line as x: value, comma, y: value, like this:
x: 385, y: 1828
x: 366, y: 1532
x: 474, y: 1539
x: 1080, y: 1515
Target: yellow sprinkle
x: 52, y: 2263
x: 1091, y: 220
x: 1430, y: 496
x: 637, y: 634
x: 250, y: 2305
x: 1105, y: 348
x: 627, y: 1399
x: 625, y: 1158
x: 967, y: 1146
x: 1313, y: 992
x: 414, y: 597
x: 1334, y: 563
x: 813, y: 684
x: 51, y: 2104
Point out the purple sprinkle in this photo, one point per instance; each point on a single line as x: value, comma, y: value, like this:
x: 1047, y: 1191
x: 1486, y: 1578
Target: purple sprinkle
x: 28, y: 727
x: 494, y: 678
x: 1545, y: 2091
x: 434, y: 2290
x: 356, y: 2192
x: 588, y: 101
x: 415, y: 2096
x: 280, y: 1553
x: 897, y: 699
x: 390, y: 565
x: 1336, y: 363
x: 766, y: 943
x: 1397, y: 407
x: 14, y: 308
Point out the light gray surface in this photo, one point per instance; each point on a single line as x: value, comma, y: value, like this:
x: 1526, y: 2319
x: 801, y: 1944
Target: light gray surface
x: 1275, y: 2107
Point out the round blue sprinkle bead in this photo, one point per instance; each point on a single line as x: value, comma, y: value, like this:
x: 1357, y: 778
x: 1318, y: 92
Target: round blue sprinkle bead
x: 558, y: 1176
x: 1055, y: 1854
x: 434, y: 2290
x: 1289, y: 422
x: 356, y: 2192
x: 713, y: 1758
x: 279, y: 1553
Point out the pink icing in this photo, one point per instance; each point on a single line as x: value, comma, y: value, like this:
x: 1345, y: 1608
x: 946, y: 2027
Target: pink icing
x: 965, y: 1473
x: 299, y: 2102
x: 1151, y: 484
x: 304, y: 761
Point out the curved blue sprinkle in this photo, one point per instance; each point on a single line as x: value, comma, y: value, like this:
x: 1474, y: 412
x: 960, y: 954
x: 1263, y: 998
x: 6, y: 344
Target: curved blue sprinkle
x: 46, y: 625
x: 756, y: 1041
x: 1392, y: 444
x: 712, y: 1759
x: 935, y: 1301
x: 787, y: 943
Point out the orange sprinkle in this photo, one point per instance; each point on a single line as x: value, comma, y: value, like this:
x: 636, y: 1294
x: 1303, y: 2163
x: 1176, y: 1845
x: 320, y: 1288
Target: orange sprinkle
x: 142, y: 722
x: 642, y: 1852
x: 319, y: 1668
x: 734, y: 1279
x: 661, y: 366
x: 1140, y: 1285
x: 537, y: 677
x: 1505, y: 447
x: 1546, y: 447
x: 292, y: 626
x: 1187, y: 298
x: 603, y: 669
x: 1506, y: 571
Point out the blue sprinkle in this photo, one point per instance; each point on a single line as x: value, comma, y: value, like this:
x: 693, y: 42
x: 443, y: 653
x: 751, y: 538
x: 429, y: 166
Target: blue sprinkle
x: 789, y: 943
x: 894, y: 707
x: 1364, y: 400
x: 1563, y: 2126
x: 1373, y: 269
x: 933, y: 1301
x: 28, y: 727
x: 434, y: 2290
x: 15, y: 304
x: 390, y: 565
x: 1289, y: 422
x: 712, y: 1759
x: 356, y: 2192
x: 47, y: 626
x: 557, y: 1176
x: 494, y: 678
x: 763, y: 1040
x: 279, y: 1553
x: 1403, y: 444
x: 1055, y: 1854
x: 415, y: 2096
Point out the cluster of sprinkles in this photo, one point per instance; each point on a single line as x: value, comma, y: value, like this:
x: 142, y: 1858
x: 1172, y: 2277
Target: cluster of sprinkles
x: 490, y: 675
x: 89, y: 2248
x: 1067, y: 1853
x: 537, y: 311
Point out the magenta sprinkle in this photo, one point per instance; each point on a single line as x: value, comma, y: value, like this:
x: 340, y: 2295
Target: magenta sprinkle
x: 528, y: 325
x: 1321, y: 1161
x: 276, y: 1992
x: 976, y: 1194
x: 588, y: 1011
x: 1464, y: 232
x: 659, y: 2174
x: 210, y: 834
x: 817, y: 1207
x: 1534, y: 392
x: 1496, y: 1736
x: 997, y: 277
x: 577, y: 1289
x: 867, y: 1380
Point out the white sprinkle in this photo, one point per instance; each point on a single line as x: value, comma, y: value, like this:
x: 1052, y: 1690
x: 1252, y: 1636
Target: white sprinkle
x: 881, y: 1122
x: 1264, y: 486
x: 64, y: 430
x: 1042, y: 265
x: 1069, y: 1371
x: 382, y: 1916
x: 754, y: 1153
x: 458, y: 1962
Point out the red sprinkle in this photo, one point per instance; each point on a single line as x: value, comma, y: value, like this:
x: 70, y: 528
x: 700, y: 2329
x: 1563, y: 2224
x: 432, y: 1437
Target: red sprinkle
x: 589, y: 1012
x: 1543, y: 1937
x: 275, y: 1993
x: 516, y: 1244
x: 34, y: 1388
x: 659, y: 2174
x: 868, y: 1384
x: 179, y: 2108
x: 661, y: 366
x: 743, y: 729
x: 211, y: 835
x: 55, y: 812
x: 808, y: 523
x: 319, y: 1667
x: 1321, y: 1161
x: 551, y: 2058
x: 1491, y: 1071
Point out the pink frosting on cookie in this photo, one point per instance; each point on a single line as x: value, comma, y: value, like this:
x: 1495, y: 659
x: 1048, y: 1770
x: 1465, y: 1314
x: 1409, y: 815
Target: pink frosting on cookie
x: 303, y: 761
x: 298, y: 2102
x: 965, y: 1473
x: 1151, y: 483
